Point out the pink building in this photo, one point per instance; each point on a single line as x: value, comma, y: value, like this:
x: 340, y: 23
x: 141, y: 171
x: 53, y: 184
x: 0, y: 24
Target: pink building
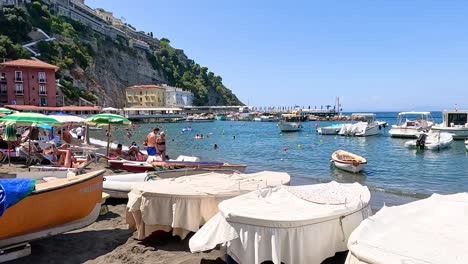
x: 28, y: 82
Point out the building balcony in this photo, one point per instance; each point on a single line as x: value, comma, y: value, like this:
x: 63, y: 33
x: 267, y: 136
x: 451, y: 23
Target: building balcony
x: 42, y: 93
x: 18, y: 79
x: 19, y: 93
x: 42, y: 80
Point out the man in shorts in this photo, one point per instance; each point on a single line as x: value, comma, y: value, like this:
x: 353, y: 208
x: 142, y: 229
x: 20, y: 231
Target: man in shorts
x: 151, y: 142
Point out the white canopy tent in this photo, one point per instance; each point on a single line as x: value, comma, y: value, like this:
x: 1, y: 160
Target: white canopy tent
x: 298, y: 224
x: 432, y: 230
x: 184, y: 204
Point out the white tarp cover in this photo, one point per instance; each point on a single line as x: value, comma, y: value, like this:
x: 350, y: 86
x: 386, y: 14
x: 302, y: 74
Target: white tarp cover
x: 184, y: 204
x: 298, y: 224
x: 433, y: 230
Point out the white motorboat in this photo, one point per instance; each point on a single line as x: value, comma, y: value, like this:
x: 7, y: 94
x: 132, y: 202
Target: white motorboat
x: 432, y: 141
x: 348, y: 161
x: 432, y: 230
x: 279, y: 224
x: 290, y: 123
x: 330, y: 130
x: 454, y: 122
x: 409, y: 124
x: 466, y: 144
x: 368, y: 127
x: 268, y: 118
x: 201, y: 118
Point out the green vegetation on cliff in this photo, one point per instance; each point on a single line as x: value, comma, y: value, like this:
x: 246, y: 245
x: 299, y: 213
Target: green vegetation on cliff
x: 72, y: 50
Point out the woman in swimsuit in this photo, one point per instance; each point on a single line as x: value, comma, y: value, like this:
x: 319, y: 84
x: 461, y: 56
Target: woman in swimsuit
x: 161, y: 145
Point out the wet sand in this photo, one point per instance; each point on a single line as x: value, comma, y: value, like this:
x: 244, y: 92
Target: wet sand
x: 108, y: 240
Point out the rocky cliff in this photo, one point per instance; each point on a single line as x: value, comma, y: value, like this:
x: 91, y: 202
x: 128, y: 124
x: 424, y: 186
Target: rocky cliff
x: 98, y: 68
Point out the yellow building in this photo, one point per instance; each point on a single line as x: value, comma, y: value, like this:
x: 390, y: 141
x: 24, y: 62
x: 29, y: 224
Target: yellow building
x: 148, y: 95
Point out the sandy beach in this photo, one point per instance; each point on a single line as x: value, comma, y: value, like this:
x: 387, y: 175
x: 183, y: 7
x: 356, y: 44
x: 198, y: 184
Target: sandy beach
x: 109, y: 241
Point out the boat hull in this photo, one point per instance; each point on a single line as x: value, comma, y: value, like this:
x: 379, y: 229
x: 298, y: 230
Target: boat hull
x: 53, y: 209
x: 328, y: 130
x: 138, y: 167
x: 403, y: 132
x: 349, y: 166
x: 457, y: 132
x: 117, y: 164
x: 289, y: 126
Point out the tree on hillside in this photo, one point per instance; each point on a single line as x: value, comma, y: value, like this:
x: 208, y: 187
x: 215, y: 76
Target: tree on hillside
x: 10, y: 50
x: 14, y: 23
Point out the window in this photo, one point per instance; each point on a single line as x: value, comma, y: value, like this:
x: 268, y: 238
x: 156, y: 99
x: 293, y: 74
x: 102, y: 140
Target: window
x: 3, y: 77
x: 18, y: 76
x: 42, y: 89
x: 3, y: 88
x: 42, y: 77
x: 43, y: 101
x: 19, y: 88
x: 457, y: 119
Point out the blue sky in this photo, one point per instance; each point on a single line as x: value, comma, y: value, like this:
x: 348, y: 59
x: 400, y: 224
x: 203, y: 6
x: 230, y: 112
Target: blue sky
x: 375, y: 55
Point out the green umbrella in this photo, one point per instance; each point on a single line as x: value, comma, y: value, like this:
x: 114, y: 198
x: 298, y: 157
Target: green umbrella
x: 9, y: 135
x: 107, y: 119
x: 28, y: 119
x: 5, y: 110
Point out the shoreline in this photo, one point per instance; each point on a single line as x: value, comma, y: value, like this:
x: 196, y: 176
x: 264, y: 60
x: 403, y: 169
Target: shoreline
x: 108, y: 241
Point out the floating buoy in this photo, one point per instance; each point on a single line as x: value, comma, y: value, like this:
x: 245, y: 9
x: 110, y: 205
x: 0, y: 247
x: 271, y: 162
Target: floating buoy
x: 335, y: 138
x: 307, y: 135
x: 321, y: 141
x: 299, y: 145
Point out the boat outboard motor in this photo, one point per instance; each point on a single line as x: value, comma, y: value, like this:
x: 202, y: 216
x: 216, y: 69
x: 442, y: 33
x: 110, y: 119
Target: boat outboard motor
x: 421, y: 141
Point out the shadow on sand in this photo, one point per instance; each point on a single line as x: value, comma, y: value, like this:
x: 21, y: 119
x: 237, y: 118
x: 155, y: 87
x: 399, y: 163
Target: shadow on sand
x: 85, y: 245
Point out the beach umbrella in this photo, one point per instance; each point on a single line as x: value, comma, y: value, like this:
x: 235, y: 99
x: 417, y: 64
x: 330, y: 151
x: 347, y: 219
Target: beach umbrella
x: 107, y: 119
x: 66, y: 118
x: 5, y: 110
x: 9, y: 135
x: 28, y: 119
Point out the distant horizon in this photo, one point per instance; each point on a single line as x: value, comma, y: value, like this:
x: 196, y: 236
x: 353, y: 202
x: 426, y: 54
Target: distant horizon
x: 375, y: 55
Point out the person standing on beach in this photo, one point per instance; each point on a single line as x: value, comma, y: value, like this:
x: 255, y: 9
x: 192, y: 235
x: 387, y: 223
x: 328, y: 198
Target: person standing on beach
x: 79, y: 132
x: 151, y: 142
x: 161, y: 145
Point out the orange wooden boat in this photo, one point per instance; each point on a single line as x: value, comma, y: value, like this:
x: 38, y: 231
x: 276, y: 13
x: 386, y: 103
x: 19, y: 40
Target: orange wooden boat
x: 53, y: 208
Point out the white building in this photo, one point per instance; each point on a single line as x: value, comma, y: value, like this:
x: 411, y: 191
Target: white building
x: 176, y: 97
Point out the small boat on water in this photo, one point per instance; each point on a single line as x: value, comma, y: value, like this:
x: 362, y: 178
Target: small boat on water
x: 431, y: 140
x: 410, y: 124
x: 290, y: 123
x: 55, y: 206
x: 330, y: 130
x: 454, y: 122
x: 119, y: 185
x: 466, y: 144
x: 348, y: 161
x: 369, y: 126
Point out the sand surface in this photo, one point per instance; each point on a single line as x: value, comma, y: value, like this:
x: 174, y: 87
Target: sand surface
x: 108, y: 240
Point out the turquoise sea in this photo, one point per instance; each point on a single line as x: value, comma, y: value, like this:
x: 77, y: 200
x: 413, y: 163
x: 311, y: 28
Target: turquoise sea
x: 392, y: 169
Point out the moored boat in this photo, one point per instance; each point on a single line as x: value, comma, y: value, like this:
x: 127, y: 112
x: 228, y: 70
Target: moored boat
x: 454, y: 122
x: 54, y: 207
x: 410, y: 124
x: 368, y: 127
x: 290, y: 123
x: 348, y: 161
x: 431, y: 140
x: 466, y: 144
x: 330, y: 130
x: 198, y: 164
